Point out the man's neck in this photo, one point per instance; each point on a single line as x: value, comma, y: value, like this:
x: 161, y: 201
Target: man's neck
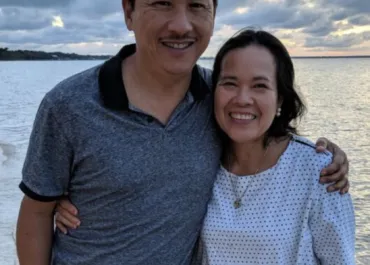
x: 154, y: 91
x: 149, y: 77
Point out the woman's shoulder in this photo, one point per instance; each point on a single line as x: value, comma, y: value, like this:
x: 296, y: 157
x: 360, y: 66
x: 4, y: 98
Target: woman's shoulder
x: 304, y: 154
x: 306, y: 147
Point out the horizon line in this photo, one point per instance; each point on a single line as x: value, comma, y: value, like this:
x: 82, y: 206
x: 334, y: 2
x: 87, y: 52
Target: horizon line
x: 309, y: 56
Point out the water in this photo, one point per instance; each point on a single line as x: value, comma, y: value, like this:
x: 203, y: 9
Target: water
x: 337, y: 93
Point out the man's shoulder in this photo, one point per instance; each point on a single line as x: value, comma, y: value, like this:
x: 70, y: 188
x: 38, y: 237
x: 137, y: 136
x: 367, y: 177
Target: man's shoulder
x: 206, y: 75
x: 76, y: 87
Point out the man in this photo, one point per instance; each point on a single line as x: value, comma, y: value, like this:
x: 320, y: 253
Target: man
x: 134, y: 144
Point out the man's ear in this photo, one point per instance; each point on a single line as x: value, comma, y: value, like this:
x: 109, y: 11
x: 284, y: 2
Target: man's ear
x: 127, y: 10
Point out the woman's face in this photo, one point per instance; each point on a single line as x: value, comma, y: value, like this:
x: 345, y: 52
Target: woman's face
x: 246, y: 98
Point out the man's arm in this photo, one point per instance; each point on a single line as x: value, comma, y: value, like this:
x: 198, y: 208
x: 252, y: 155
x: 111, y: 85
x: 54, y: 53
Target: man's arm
x: 35, y: 232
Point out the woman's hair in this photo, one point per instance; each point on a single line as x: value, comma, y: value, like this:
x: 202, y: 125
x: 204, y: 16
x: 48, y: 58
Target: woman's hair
x: 292, y: 107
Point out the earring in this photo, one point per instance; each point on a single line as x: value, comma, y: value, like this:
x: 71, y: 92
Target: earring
x: 278, y: 113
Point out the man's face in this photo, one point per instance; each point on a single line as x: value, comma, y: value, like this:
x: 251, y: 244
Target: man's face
x: 171, y: 34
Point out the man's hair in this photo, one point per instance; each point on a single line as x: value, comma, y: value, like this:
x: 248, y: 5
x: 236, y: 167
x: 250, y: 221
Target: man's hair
x: 292, y: 107
x: 132, y: 3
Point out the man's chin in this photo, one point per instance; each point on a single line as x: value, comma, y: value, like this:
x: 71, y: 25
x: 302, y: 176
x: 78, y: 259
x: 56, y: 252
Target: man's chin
x: 179, y: 69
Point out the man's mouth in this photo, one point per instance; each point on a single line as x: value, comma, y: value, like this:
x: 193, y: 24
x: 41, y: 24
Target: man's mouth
x: 242, y: 116
x: 178, y: 45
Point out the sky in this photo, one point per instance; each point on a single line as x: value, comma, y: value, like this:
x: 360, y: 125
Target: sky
x: 306, y: 27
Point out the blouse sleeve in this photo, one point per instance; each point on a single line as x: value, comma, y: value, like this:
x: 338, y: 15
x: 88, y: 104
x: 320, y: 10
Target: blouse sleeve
x: 332, y: 224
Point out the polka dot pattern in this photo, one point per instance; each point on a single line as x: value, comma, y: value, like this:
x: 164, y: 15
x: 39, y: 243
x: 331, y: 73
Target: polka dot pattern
x: 286, y: 216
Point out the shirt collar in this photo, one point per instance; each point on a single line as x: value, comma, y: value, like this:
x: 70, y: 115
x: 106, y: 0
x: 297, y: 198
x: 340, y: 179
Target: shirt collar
x: 112, y: 90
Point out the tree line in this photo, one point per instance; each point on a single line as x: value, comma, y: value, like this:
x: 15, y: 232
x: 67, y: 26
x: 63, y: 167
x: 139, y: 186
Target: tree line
x: 9, y: 55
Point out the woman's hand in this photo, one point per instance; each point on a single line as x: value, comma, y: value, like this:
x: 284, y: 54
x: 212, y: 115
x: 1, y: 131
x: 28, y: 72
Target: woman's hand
x: 66, y: 216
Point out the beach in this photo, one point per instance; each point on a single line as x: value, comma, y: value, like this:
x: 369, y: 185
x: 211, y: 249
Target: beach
x: 336, y: 91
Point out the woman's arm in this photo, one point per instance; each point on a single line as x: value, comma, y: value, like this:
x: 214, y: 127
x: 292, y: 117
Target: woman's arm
x: 332, y: 224
x: 35, y: 232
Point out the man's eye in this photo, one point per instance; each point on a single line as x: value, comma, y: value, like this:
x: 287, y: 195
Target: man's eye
x: 162, y: 3
x: 197, y: 5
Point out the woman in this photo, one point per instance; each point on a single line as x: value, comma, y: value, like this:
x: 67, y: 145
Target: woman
x: 268, y: 206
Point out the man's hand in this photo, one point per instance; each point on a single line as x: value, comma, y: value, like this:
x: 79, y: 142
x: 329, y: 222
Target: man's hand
x: 66, y: 216
x: 337, y: 171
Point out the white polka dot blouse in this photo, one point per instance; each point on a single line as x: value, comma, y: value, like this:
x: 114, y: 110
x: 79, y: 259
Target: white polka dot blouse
x: 285, y: 216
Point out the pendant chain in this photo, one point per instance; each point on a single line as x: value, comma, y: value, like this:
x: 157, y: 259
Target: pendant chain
x: 237, y: 203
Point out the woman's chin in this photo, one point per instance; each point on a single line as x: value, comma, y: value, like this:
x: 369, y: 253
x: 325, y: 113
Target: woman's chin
x: 244, y: 139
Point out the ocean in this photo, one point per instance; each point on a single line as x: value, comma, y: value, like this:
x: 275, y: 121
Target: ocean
x: 336, y: 91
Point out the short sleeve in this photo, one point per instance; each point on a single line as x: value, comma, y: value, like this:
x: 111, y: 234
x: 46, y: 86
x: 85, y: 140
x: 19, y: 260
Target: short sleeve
x: 332, y: 224
x: 47, y: 166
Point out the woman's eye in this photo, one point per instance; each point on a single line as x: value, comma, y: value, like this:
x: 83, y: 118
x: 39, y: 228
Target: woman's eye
x: 260, y: 86
x: 228, y: 84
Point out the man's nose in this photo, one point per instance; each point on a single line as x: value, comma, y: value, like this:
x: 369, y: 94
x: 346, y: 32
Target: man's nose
x: 180, y: 22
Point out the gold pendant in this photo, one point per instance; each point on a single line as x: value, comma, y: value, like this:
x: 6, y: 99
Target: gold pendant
x: 237, y: 203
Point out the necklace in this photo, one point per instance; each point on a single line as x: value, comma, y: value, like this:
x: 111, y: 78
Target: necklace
x: 238, y: 199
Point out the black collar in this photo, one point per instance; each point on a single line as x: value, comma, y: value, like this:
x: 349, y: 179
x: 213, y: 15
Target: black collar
x: 112, y: 89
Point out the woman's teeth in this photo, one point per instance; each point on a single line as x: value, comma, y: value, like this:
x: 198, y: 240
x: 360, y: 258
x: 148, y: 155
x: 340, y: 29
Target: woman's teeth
x: 240, y: 116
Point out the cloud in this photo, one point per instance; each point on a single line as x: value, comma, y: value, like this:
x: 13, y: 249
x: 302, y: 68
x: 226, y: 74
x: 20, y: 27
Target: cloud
x: 35, y: 3
x: 353, y: 6
x: 360, y: 20
x: 344, y: 41
x: 86, y: 24
x: 272, y: 15
x: 321, y: 27
x: 12, y: 18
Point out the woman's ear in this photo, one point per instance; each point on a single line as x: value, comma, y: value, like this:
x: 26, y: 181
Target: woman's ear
x: 280, y: 102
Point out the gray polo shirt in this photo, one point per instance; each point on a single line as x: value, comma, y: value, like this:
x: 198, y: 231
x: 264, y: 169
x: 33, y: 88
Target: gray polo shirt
x: 141, y: 187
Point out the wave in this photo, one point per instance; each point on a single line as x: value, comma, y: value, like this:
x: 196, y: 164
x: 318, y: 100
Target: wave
x: 7, y: 151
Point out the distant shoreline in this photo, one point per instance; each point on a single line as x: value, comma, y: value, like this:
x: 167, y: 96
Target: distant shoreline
x: 26, y: 55
x: 313, y: 57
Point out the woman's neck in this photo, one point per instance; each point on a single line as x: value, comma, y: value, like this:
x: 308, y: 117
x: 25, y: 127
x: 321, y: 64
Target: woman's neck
x: 254, y: 157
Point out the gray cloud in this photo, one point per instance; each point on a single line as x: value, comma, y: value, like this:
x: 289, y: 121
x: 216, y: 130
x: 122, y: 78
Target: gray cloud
x: 96, y: 9
x: 321, y: 27
x: 35, y: 3
x: 28, y: 22
x: 12, y: 18
x: 343, y: 41
x: 347, y: 6
x: 340, y: 14
x: 360, y: 20
x: 273, y: 15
